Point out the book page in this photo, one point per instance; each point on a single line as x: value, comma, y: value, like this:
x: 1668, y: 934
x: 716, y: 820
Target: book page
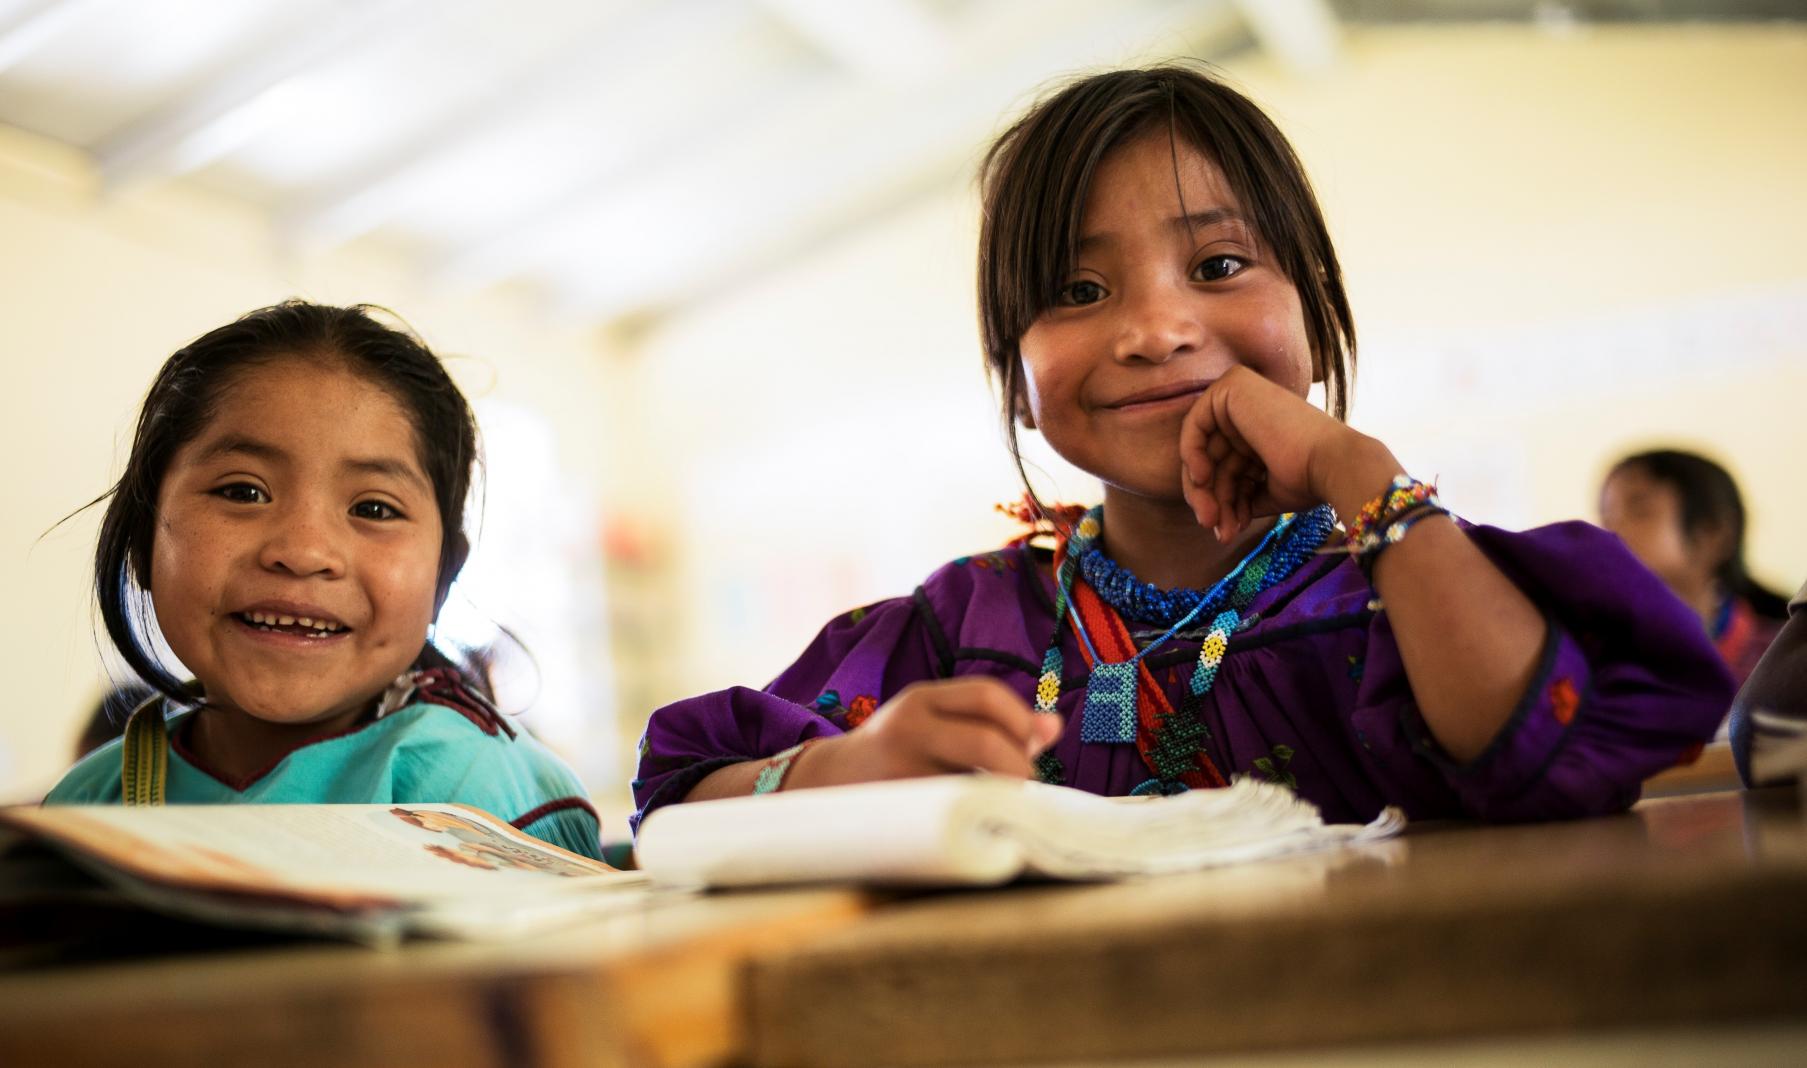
x: 1070, y: 834
x: 977, y: 830
x: 341, y: 856
x: 886, y: 832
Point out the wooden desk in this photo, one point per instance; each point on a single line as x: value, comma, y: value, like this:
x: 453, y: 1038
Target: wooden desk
x: 1713, y: 771
x: 1688, y: 910
x: 658, y: 988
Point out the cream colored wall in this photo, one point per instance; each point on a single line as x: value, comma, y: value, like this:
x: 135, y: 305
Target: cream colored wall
x: 96, y: 293
x: 1558, y: 248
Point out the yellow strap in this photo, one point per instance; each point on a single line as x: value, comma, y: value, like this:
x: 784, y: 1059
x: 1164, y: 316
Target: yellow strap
x: 145, y: 755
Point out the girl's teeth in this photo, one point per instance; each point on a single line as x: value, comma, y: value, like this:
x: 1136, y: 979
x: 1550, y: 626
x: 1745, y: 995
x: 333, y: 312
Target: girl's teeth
x: 266, y: 619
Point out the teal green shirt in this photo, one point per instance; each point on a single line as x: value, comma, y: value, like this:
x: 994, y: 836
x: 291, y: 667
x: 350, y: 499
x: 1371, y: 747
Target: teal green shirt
x: 421, y: 753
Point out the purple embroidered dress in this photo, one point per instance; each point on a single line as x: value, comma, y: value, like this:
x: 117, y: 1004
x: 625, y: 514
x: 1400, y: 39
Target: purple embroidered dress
x: 1312, y: 691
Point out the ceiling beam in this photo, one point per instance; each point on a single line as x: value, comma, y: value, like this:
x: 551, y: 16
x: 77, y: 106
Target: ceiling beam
x: 204, y: 125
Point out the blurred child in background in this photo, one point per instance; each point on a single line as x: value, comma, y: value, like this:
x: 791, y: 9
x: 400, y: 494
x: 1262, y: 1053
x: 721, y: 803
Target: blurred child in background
x: 1681, y: 514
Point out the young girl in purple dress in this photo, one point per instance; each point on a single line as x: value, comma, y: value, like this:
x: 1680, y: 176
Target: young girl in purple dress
x: 1157, y: 293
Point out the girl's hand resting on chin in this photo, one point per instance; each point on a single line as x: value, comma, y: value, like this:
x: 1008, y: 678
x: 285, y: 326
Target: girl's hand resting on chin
x: 1252, y: 448
x: 934, y: 728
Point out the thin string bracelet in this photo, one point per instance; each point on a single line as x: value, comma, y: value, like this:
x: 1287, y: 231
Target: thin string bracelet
x: 777, y: 768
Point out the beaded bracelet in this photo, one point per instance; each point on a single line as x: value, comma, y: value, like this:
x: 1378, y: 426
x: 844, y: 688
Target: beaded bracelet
x: 778, y: 766
x: 1390, y: 534
x: 1404, y: 494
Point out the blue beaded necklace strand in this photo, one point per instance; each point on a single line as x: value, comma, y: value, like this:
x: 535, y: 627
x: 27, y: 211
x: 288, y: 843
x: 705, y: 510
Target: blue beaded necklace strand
x: 1110, y: 693
x: 1132, y: 598
x: 1110, y: 712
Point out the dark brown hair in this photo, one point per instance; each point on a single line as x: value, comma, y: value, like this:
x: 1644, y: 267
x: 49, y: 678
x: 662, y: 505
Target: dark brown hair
x: 1035, y: 179
x: 1709, y: 499
x: 183, y: 399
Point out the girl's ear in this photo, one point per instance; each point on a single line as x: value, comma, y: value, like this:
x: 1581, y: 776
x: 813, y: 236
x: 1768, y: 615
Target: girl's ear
x: 454, y: 563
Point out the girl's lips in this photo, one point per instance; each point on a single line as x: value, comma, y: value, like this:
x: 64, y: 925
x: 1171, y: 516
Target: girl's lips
x: 289, y: 637
x: 1150, y: 400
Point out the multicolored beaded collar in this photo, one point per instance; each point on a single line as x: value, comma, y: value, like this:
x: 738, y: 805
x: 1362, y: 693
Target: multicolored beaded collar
x: 1123, y: 701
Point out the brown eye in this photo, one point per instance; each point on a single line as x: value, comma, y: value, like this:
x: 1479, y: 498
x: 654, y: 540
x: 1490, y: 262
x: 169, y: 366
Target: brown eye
x: 242, y: 493
x: 1218, y: 268
x: 1080, y: 293
x: 374, y: 510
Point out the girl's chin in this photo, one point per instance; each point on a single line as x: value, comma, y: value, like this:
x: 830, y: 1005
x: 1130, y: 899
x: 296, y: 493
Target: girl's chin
x: 289, y: 716
x: 1148, y: 492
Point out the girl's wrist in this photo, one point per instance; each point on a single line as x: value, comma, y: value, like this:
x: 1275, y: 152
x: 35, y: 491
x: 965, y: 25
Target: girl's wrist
x: 806, y: 766
x: 1361, y: 469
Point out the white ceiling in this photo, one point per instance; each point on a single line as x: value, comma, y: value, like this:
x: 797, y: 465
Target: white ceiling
x: 622, y: 156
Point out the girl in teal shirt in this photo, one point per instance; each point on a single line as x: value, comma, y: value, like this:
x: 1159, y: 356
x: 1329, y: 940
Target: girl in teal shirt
x: 292, y: 517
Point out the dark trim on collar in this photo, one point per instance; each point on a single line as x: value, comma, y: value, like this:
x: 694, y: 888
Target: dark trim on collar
x: 937, y: 635
x: 1273, y: 636
x: 1171, y: 658
x: 1022, y: 664
x: 532, y: 816
x: 178, y: 741
x: 1033, y: 559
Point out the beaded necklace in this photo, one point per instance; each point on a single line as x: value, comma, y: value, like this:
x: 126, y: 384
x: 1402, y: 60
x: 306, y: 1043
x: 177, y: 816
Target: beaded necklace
x: 1170, y: 743
x: 1131, y: 597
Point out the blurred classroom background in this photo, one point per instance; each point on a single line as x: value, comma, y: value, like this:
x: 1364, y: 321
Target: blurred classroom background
x: 705, y: 268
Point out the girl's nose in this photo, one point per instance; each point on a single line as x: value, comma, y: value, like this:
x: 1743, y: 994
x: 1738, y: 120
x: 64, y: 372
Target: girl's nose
x: 1157, y: 327
x: 304, y: 545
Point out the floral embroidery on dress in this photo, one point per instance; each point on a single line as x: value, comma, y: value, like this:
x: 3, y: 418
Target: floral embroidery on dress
x: 845, y: 716
x: 1564, y: 700
x: 861, y: 710
x: 995, y: 562
x: 1273, y: 767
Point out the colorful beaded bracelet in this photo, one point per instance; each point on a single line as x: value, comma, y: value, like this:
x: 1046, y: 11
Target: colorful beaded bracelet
x: 1390, y: 534
x: 1404, y: 494
x: 778, y: 766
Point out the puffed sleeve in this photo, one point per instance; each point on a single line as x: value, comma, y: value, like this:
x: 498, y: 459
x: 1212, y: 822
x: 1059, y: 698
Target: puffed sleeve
x: 854, y: 664
x: 1627, y: 684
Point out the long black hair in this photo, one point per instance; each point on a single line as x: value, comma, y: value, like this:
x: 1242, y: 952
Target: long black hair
x: 1710, y: 499
x: 182, y: 400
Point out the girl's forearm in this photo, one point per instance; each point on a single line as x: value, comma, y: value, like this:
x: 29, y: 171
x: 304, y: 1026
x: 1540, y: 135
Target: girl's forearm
x: 738, y: 780
x: 735, y: 780
x: 1470, y: 639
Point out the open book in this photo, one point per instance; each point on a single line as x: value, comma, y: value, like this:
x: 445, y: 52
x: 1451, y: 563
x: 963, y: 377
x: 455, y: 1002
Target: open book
x: 979, y: 830
x: 371, y: 873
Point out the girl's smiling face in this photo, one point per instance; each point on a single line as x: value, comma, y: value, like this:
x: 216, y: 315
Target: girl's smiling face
x: 1169, y: 288
x: 294, y: 564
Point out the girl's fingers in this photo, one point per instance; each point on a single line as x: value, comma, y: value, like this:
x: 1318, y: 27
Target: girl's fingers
x: 1195, y: 430
x: 989, y: 703
x: 960, y: 744
x: 1228, y: 487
